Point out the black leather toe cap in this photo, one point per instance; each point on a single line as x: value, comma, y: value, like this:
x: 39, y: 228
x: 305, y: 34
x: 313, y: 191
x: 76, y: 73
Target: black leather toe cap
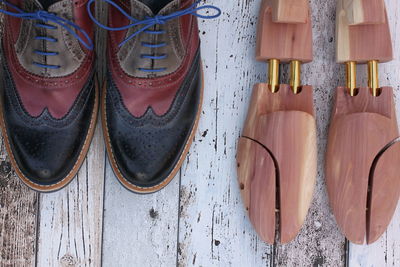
x: 46, y: 149
x: 148, y: 149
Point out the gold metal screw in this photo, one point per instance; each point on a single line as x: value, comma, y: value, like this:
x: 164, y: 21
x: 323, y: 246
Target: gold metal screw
x: 273, y: 79
x: 373, y: 79
x: 351, y: 77
x: 295, y: 73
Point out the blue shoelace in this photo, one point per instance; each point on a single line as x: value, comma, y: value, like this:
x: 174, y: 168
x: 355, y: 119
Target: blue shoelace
x: 45, y: 17
x: 150, y: 22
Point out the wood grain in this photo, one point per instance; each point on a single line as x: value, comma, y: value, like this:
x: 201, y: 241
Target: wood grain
x: 290, y: 11
x: 18, y: 209
x: 140, y: 230
x: 361, y: 127
x: 258, y: 174
x: 365, y: 11
x: 289, y: 42
x: 284, y: 125
x: 364, y: 42
x: 296, y: 156
x: 263, y: 101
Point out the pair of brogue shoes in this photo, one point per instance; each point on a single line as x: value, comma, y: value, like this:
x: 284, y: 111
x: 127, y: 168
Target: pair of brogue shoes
x: 150, y: 104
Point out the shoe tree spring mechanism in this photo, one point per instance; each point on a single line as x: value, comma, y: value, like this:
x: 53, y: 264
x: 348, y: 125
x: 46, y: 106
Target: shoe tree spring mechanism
x: 277, y: 153
x: 362, y: 159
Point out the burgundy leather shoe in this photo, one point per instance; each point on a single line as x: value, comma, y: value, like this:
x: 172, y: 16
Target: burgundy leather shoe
x: 152, y: 102
x: 49, y: 99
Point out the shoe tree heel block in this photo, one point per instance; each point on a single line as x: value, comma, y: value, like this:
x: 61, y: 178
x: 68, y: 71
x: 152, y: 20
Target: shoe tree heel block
x: 362, y: 159
x: 277, y: 153
x: 361, y: 40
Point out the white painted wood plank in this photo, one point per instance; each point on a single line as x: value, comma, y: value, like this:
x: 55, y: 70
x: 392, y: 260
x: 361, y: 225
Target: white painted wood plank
x: 70, y: 222
x: 214, y: 229
x: 139, y: 230
x: 386, y: 251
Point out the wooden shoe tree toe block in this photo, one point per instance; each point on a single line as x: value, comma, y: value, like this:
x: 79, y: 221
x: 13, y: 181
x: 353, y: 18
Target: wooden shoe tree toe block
x: 362, y: 159
x: 277, y: 159
x: 277, y: 153
x: 363, y: 185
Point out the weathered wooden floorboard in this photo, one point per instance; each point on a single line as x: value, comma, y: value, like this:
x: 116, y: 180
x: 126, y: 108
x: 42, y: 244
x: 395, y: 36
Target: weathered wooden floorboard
x: 386, y: 251
x: 214, y: 229
x: 139, y: 230
x: 18, y: 208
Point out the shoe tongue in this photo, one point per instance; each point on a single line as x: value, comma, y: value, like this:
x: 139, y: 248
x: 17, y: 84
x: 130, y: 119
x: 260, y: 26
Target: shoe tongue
x: 155, y: 5
x: 47, y: 3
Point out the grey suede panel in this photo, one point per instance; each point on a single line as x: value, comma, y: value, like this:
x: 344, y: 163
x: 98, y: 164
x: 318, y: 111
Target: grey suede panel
x: 130, y: 54
x: 70, y: 52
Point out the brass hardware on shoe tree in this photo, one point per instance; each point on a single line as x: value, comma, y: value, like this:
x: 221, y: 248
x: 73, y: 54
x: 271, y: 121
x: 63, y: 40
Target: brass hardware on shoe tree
x: 295, y: 72
x: 373, y: 77
x: 273, y: 79
x: 373, y: 80
x: 351, y: 76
